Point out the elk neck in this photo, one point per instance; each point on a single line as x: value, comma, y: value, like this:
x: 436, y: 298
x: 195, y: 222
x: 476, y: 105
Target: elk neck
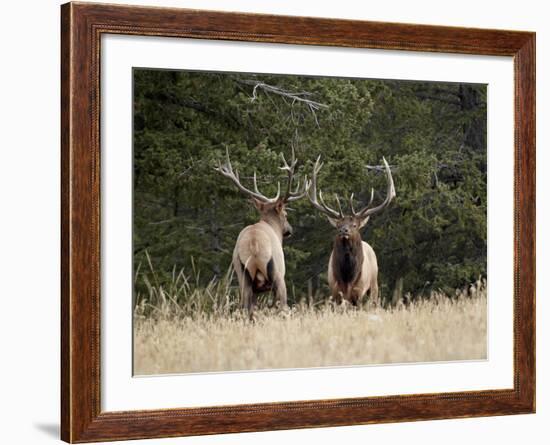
x: 348, y: 258
x: 275, y: 223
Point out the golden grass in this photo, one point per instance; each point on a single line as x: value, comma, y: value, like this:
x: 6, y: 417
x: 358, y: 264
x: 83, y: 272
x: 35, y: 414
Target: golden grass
x: 437, y: 329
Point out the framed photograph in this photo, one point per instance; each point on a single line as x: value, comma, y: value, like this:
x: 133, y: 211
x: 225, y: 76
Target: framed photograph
x: 274, y: 222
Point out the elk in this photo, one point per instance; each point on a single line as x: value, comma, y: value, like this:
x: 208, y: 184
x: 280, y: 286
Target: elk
x: 352, y: 268
x: 258, y: 258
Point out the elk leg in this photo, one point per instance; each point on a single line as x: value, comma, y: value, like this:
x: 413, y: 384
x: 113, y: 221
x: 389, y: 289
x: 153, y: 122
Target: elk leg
x: 252, y: 305
x: 357, y: 296
x: 245, y: 284
x: 373, y: 293
x: 337, y: 296
x: 280, y: 291
x: 247, y: 295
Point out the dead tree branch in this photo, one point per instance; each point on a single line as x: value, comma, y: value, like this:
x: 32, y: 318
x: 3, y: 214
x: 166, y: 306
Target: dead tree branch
x: 301, y: 97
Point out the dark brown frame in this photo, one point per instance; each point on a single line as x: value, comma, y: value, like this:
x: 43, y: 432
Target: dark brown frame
x: 81, y: 28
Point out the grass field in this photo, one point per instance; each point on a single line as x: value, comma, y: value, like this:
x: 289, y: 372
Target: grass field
x: 170, y: 340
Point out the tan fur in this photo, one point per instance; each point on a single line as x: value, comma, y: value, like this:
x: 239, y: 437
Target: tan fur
x: 256, y: 246
x: 258, y: 258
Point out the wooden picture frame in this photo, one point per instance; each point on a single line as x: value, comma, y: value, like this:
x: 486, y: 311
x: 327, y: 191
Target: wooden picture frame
x: 82, y: 26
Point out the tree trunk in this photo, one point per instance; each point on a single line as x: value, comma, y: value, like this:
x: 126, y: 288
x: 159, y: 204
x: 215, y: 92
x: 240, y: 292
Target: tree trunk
x: 309, y: 292
x: 397, y: 292
x: 476, y: 128
x: 215, y: 244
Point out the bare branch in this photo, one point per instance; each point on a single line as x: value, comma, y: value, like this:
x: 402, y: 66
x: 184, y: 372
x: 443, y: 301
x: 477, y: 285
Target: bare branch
x: 293, y: 96
x: 184, y: 172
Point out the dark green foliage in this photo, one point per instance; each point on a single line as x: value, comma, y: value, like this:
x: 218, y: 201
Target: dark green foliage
x: 186, y: 215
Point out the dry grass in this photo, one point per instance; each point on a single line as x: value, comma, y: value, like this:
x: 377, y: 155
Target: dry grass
x: 170, y: 340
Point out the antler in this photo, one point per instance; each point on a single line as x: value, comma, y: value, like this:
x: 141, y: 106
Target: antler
x: 227, y: 171
x: 320, y: 204
x: 366, y: 211
x: 290, y: 195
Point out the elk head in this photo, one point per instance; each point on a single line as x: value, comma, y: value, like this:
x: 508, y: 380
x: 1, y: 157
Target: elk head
x: 272, y: 210
x: 348, y: 226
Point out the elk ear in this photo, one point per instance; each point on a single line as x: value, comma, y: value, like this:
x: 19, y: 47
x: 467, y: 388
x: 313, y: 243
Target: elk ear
x: 279, y: 206
x: 258, y: 204
x: 364, y: 222
x: 333, y: 222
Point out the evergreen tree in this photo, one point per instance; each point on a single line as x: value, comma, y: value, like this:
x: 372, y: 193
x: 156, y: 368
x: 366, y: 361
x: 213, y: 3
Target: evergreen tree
x: 186, y: 215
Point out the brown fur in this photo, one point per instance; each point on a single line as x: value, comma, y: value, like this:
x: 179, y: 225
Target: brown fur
x: 347, y: 263
x: 353, y: 268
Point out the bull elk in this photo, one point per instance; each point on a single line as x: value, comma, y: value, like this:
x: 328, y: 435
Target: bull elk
x: 352, y: 268
x: 258, y: 258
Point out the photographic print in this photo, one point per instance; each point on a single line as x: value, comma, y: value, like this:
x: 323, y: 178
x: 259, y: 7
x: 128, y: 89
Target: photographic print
x: 264, y: 226
x: 287, y: 221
